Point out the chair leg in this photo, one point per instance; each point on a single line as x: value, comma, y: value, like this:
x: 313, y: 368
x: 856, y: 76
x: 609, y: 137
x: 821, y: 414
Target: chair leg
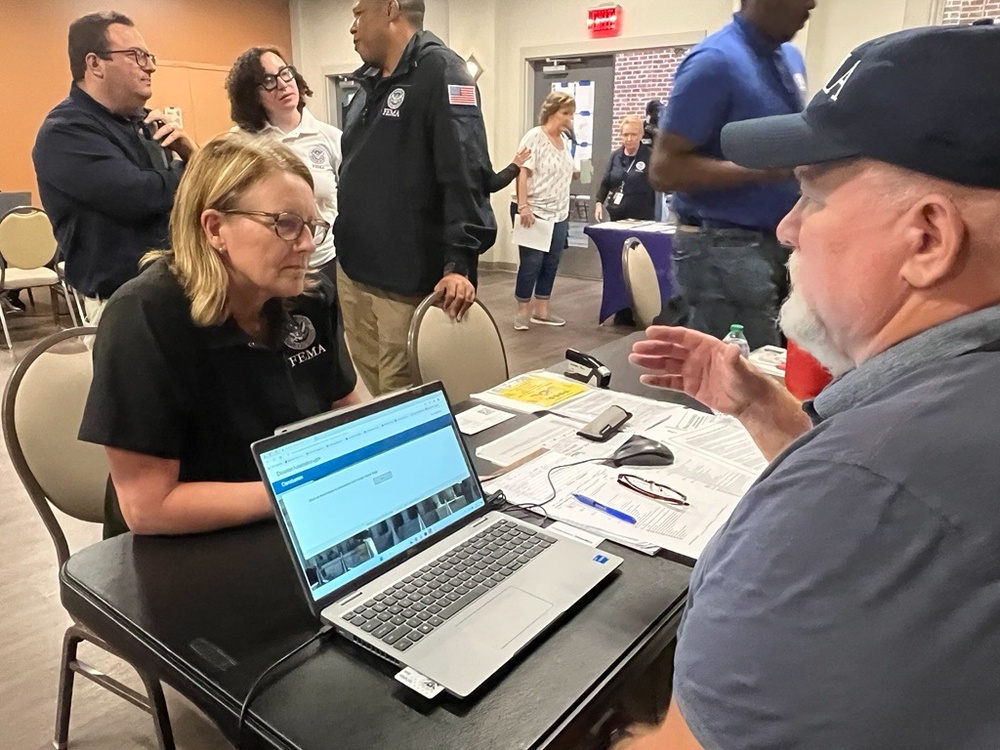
x: 54, y: 296
x: 6, y: 332
x: 69, y: 304
x: 158, y: 710
x: 70, y: 642
x: 31, y: 298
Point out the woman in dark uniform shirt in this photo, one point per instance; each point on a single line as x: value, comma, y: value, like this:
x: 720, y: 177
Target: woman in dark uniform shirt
x: 625, y: 192
x: 216, y: 344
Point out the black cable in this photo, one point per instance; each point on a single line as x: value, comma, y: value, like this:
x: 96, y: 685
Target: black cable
x: 554, y: 492
x: 245, y: 708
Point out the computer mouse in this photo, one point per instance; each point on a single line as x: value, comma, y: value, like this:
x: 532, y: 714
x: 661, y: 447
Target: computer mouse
x: 640, y: 451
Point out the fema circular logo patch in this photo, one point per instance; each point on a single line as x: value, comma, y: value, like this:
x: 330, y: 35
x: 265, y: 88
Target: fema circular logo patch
x: 395, y: 99
x: 639, y: 166
x: 319, y: 156
x: 300, y: 333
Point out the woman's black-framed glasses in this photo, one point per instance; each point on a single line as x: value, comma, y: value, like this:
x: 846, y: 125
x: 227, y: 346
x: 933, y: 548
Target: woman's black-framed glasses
x: 141, y: 57
x: 652, y: 489
x: 270, y: 80
x: 289, y: 226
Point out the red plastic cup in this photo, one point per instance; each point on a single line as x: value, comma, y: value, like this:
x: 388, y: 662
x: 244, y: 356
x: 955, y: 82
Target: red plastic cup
x: 804, y: 376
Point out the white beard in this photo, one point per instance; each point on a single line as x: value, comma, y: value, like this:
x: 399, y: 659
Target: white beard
x: 801, y: 324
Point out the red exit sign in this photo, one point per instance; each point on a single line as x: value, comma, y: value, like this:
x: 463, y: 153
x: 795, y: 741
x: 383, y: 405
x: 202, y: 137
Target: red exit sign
x: 605, y: 20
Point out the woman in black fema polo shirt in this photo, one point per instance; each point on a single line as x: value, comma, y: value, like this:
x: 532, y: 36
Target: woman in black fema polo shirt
x: 216, y: 344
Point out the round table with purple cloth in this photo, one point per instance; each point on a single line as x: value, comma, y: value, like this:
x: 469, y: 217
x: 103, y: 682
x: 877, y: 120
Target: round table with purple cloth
x: 610, y: 240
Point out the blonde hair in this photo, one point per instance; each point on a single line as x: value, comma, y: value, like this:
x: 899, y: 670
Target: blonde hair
x: 631, y: 120
x: 555, y: 102
x: 217, y: 177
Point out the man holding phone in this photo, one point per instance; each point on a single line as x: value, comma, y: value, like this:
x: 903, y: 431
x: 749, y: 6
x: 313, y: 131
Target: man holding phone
x: 107, y: 167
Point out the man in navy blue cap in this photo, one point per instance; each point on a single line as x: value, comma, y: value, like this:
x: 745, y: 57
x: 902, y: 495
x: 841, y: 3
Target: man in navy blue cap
x: 853, y: 598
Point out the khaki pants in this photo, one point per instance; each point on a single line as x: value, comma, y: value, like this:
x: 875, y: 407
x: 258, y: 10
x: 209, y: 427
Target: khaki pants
x: 376, y: 324
x: 93, y: 308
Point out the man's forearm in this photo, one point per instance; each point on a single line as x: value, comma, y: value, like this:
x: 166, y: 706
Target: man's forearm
x: 774, y: 419
x: 691, y: 173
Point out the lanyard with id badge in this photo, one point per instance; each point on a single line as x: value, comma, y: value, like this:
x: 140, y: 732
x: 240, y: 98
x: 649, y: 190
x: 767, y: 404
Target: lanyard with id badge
x: 616, y: 197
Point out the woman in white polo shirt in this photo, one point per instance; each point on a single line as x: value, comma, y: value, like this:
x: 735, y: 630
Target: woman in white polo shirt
x: 543, y: 187
x: 268, y: 97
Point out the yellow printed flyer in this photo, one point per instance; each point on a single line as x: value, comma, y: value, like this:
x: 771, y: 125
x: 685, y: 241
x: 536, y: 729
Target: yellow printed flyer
x: 541, y: 391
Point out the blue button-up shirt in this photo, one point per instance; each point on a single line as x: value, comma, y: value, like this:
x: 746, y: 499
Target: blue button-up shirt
x: 735, y: 74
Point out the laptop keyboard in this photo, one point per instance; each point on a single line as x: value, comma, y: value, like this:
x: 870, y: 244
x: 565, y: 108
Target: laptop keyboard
x: 404, y: 613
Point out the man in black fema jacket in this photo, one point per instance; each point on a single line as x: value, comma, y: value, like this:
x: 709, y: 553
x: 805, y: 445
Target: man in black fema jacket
x: 414, y: 211
x: 104, y: 164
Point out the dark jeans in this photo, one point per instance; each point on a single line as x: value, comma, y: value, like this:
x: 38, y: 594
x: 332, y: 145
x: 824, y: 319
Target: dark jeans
x: 732, y: 276
x: 537, y: 272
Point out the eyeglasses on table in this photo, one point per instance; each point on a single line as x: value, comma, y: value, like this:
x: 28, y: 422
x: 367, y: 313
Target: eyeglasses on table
x: 652, y: 489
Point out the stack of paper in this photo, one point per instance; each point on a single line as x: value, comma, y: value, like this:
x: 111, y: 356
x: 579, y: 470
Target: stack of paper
x: 715, y: 462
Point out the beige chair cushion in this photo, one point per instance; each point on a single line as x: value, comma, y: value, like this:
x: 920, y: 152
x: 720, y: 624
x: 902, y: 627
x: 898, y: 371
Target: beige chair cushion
x: 643, y: 284
x: 467, y: 357
x: 47, y: 414
x: 20, y: 278
x: 26, y: 239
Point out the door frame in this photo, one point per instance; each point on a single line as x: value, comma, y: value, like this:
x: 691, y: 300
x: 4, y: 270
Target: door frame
x: 590, y: 48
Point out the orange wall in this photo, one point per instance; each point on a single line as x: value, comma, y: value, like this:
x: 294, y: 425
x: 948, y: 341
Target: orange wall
x: 208, y: 33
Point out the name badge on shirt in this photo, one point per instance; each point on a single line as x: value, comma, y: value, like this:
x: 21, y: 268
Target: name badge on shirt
x: 616, y: 199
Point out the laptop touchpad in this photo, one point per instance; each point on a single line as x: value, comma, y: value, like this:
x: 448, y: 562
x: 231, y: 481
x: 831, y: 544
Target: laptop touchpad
x: 504, y: 618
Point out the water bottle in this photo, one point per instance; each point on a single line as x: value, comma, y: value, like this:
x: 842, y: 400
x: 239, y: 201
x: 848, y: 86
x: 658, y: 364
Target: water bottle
x: 736, y: 338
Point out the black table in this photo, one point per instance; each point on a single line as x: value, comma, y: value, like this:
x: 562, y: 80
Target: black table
x: 207, y: 613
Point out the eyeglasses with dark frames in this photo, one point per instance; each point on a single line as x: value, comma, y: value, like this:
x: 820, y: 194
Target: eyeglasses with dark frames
x: 270, y: 80
x: 140, y: 56
x: 289, y: 226
x: 652, y: 489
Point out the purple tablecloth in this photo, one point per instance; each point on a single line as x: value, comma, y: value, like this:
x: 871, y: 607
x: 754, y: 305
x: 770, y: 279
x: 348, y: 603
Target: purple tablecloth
x: 610, y: 239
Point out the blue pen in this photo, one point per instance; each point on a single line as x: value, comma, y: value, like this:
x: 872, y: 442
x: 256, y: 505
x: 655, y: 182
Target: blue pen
x: 600, y: 506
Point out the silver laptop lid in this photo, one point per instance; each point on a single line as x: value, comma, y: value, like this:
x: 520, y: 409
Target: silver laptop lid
x: 357, y: 492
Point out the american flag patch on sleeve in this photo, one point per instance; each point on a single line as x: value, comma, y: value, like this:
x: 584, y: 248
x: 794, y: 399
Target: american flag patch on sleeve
x: 463, y: 95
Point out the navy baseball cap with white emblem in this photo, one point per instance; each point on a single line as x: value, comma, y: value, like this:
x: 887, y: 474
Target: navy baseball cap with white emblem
x: 924, y: 99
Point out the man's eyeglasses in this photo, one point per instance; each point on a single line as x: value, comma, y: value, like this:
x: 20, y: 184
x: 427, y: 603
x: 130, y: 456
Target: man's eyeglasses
x: 141, y: 57
x: 653, y: 489
x: 289, y: 226
x: 270, y: 80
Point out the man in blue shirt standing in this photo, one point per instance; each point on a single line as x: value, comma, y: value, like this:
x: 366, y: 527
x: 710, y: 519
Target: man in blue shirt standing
x: 105, y: 167
x: 729, y: 266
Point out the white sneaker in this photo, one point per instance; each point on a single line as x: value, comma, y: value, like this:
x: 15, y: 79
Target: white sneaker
x: 520, y: 322
x: 548, y: 320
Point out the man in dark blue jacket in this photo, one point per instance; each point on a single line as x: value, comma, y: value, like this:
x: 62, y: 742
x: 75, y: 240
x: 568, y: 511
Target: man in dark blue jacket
x: 105, y: 165
x: 414, y: 210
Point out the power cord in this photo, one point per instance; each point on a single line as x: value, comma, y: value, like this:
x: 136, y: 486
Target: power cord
x: 251, y: 694
x: 552, y: 495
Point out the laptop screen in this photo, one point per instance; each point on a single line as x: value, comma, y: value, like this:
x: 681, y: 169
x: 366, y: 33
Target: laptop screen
x: 362, y: 492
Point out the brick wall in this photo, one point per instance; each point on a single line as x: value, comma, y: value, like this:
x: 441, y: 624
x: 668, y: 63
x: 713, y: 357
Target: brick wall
x: 967, y: 11
x: 640, y: 76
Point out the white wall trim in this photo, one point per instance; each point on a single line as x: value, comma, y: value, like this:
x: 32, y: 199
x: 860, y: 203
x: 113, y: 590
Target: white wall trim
x: 592, y: 47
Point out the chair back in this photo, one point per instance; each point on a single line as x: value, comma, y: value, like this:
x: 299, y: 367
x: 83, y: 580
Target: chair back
x: 42, y: 409
x: 641, y: 281
x: 466, y: 356
x: 26, y: 238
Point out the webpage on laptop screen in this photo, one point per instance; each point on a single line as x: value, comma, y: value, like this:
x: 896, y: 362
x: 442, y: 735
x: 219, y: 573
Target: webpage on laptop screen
x: 361, y: 493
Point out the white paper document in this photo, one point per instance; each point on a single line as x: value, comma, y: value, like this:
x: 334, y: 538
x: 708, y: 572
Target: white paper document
x: 553, y: 433
x: 585, y: 537
x: 479, y: 418
x: 538, y: 236
x: 712, y: 486
x: 646, y: 413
